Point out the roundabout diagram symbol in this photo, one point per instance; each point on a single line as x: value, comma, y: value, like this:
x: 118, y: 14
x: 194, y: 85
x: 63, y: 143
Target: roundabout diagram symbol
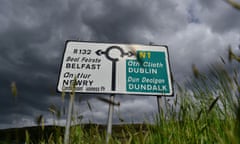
x: 113, y: 53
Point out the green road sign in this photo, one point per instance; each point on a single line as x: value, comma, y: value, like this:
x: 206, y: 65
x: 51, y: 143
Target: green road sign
x: 148, y: 73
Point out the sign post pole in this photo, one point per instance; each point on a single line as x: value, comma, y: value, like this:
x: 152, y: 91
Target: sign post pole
x: 109, y: 122
x: 69, y: 119
x: 159, y: 102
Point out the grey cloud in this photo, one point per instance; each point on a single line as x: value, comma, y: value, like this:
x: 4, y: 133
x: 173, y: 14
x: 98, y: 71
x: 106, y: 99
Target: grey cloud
x: 123, y: 21
x: 199, y: 45
x: 220, y: 16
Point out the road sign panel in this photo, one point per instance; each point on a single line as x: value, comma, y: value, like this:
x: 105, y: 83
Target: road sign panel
x: 115, y: 69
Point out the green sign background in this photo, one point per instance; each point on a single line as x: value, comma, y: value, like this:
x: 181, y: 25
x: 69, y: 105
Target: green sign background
x: 147, y: 73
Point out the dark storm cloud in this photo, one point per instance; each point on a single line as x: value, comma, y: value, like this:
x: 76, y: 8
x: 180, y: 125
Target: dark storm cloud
x: 116, y: 22
x: 32, y: 41
x: 126, y: 21
x: 31, y: 45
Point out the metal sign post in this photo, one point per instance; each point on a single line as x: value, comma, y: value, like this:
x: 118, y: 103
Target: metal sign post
x: 159, y: 102
x: 109, y: 122
x: 69, y: 119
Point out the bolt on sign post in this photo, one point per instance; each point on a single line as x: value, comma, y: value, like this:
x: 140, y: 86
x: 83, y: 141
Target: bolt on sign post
x: 107, y: 68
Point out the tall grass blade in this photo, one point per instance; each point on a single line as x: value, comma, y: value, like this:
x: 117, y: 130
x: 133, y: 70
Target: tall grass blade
x: 27, y: 137
x: 212, y: 104
x: 234, y: 4
x: 89, y: 106
x: 14, y: 89
x: 195, y: 71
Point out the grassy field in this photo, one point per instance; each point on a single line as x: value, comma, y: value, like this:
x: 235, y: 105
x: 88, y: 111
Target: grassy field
x: 206, y: 110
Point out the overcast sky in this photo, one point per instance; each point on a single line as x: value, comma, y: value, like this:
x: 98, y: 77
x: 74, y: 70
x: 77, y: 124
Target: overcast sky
x: 33, y: 34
